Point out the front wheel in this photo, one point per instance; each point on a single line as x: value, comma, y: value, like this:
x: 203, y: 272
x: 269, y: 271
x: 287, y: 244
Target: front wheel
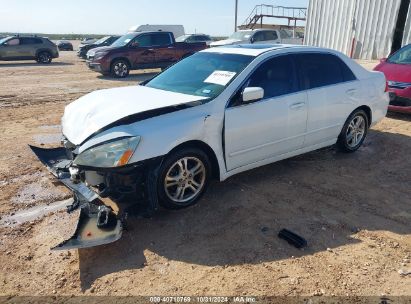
x: 120, y: 69
x: 354, y: 132
x: 183, y: 178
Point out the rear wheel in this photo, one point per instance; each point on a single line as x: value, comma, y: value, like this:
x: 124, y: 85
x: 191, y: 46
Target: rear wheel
x: 44, y: 57
x: 354, y: 132
x: 183, y: 178
x: 120, y: 68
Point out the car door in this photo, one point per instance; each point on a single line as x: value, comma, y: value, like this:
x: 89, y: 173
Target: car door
x: 29, y: 46
x: 142, y: 52
x: 269, y: 127
x: 332, y: 91
x: 11, y: 49
x: 164, y: 51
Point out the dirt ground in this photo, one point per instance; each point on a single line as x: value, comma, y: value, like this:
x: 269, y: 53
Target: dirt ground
x: 353, y: 209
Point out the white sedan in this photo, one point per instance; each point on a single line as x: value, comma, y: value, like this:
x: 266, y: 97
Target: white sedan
x: 217, y: 113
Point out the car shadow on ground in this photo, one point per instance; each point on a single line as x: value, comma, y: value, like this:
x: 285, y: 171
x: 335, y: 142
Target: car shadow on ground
x: 325, y: 196
x: 137, y: 77
x: 28, y: 64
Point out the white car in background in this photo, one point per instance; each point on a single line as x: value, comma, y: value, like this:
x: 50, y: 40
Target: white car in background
x: 192, y: 38
x: 217, y: 113
x: 259, y: 36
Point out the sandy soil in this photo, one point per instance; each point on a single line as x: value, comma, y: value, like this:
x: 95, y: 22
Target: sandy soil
x: 354, y: 210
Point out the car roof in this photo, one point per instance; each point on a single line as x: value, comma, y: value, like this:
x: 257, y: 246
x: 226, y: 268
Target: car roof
x: 145, y: 32
x: 25, y: 36
x: 256, y: 49
x: 256, y: 30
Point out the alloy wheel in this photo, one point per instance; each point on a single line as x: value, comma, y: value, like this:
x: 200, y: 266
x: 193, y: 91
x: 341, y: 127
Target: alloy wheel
x: 355, y: 131
x: 185, y: 179
x: 120, y: 69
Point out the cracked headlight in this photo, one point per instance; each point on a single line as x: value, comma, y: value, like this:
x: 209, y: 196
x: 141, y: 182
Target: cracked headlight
x: 112, y: 154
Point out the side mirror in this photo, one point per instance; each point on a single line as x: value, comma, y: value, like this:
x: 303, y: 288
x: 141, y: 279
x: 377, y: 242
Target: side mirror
x: 382, y: 60
x: 252, y: 94
x: 252, y: 40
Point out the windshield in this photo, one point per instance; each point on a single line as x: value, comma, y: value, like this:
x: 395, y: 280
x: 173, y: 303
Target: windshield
x: 403, y: 56
x: 202, y: 74
x: 182, y: 38
x: 123, y: 40
x: 4, y: 40
x: 101, y: 40
x: 241, y: 35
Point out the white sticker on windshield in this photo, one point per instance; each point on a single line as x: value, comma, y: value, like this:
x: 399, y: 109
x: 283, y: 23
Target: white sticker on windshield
x: 220, y: 77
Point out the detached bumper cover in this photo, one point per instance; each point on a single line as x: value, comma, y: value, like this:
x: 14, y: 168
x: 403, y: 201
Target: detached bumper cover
x: 89, y: 231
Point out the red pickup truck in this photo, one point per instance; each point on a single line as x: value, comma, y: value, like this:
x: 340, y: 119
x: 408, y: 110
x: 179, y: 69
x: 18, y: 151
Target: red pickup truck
x: 140, y: 50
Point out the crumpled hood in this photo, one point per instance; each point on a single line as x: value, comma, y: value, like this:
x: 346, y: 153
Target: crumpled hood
x: 225, y: 42
x: 96, y: 110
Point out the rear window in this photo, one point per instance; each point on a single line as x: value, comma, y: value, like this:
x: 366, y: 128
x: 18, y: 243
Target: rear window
x: 26, y: 41
x: 319, y: 70
x: 203, y: 38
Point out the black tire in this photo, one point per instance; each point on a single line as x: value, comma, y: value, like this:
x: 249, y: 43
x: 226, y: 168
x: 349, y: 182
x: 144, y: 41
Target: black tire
x: 169, y: 168
x: 44, y: 57
x: 119, y: 68
x: 347, y: 140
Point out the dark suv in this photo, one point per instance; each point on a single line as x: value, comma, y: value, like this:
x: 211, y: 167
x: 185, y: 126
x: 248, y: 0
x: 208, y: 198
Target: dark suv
x: 105, y: 41
x: 25, y: 47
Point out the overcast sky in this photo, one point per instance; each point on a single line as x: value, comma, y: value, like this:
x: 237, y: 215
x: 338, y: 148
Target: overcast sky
x: 215, y: 17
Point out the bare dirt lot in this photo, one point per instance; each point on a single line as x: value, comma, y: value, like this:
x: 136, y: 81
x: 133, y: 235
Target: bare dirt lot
x: 353, y: 209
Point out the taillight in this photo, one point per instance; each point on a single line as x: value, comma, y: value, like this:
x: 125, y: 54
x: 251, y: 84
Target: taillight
x: 386, y: 86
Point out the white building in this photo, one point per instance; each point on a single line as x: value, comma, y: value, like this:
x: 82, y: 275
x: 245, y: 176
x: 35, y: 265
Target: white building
x: 362, y: 29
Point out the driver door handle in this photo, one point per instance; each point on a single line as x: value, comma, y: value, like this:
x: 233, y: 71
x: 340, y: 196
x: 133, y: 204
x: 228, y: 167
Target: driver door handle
x: 148, y: 51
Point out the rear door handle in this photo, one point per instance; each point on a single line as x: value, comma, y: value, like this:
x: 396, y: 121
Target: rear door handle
x: 297, y: 105
x: 351, y: 92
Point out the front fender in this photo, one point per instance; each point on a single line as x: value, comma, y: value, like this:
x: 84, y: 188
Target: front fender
x: 160, y: 135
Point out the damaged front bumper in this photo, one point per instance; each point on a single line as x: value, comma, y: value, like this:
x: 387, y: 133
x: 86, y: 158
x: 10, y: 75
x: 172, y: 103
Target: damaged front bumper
x: 98, y: 224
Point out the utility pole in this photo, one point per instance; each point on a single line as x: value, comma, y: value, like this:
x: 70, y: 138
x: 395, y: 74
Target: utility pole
x: 236, y: 12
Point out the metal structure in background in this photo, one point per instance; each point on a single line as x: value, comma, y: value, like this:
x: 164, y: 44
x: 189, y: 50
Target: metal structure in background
x: 292, y: 14
x: 407, y: 30
x: 236, y: 15
x: 362, y: 29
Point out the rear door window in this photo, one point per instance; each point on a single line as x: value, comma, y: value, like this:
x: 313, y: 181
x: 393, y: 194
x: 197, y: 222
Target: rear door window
x: 319, y: 70
x: 161, y: 39
x: 270, y: 35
